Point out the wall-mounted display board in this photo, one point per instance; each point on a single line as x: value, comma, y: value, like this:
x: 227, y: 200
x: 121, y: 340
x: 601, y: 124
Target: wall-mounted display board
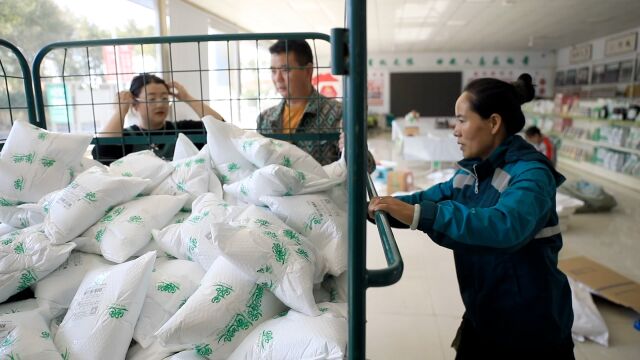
x: 621, y: 44
x: 429, y: 93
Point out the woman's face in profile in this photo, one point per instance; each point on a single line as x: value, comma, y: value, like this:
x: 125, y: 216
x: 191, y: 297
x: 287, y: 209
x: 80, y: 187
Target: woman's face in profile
x: 153, y: 106
x: 472, y: 131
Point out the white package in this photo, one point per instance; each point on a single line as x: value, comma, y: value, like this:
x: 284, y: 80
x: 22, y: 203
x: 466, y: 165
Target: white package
x: 84, y: 201
x: 172, y: 283
x: 184, y: 148
x: 5, y: 229
x: 200, y: 353
x: 275, y: 180
x: 26, y: 336
x: 220, y: 313
x: 143, y: 164
x: 126, y: 229
x: 100, y: 321
x: 229, y: 162
x: 320, y: 220
x: 18, y: 306
x: 153, y: 351
x: 20, y: 215
x: 34, y: 162
x: 191, y: 239
x: 191, y: 176
x: 587, y: 321
x: 337, y: 169
x: 263, y: 151
x: 270, y: 253
x: 58, y: 288
x: 298, y: 336
x: 26, y: 256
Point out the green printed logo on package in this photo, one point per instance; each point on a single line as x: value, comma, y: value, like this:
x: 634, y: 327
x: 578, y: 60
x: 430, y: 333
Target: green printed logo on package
x: 9, y: 238
x: 314, y: 219
x: 303, y: 253
x: 9, y: 340
x: 281, y: 314
x: 262, y: 223
x: 301, y: 176
x: 292, y: 235
x: 47, y: 162
x: 18, y: 183
x: 135, y: 219
x: 27, y: 278
x: 266, y: 269
x: 188, y: 163
x: 117, y: 311
x: 72, y: 173
x: 280, y: 252
x: 222, y: 291
x: 117, y: 162
x: 45, y: 335
x: 204, y: 349
x: 224, y: 179
x: 19, y: 248
x: 168, y: 287
x: 266, y: 337
x: 286, y: 161
x: 194, y: 219
x: 91, y: 197
x: 65, y: 355
x: 243, y: 321
x: 233, y: 167
x: 111, y: 215
x: 24, y: 158
x: 333, y: 295
x: 127, y: 174
x: 100, y: 234
x: 276, y: 144
x: 199, y: 161
x: 247, y: 144
x: 244, y: 190
x: 271, y: 235
x: 323, y: 309
x: 192, y: 245
x: 7, y: 203
x: 42, y: 136
x: 181, y: 186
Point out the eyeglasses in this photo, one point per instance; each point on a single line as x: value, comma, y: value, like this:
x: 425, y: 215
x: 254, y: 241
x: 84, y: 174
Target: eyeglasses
x: 160, y: 100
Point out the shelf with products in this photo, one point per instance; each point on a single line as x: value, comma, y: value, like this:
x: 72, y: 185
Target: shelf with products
x: 632, y: 182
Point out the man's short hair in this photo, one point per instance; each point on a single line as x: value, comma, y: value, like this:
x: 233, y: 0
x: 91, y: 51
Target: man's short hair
x: 532, y: 131
x: 300, y: 48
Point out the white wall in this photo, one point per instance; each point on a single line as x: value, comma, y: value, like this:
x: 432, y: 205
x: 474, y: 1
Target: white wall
x: 597, y: 52
x: 503, y: 65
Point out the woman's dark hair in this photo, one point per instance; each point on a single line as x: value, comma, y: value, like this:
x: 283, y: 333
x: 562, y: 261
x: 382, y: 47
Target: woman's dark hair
x: 300, y: 48
x: 492, y: 96
x: 140, y: 81
x: 532, y: 131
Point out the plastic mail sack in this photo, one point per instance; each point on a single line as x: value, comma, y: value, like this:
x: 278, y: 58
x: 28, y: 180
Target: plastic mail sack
x: 26, y: 336
x: 83, y: 202
x: 100, y: 321
x: 229, y: 163
x: 26, y: 256
x: 143, y: 164
x: 34, y: 162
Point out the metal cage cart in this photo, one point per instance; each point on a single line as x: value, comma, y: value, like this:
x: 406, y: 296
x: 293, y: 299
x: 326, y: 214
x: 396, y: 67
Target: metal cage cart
x: 73, y: 92
x: 16, y: 89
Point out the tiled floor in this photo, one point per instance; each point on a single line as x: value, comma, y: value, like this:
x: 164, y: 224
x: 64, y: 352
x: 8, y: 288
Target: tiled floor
x: 417, y: 318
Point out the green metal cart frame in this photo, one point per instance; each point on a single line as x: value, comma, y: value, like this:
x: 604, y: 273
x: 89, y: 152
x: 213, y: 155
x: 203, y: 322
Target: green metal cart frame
x: 349, y: 59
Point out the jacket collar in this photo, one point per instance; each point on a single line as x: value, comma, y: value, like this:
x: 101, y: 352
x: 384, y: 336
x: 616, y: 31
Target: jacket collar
x: 514, y: 148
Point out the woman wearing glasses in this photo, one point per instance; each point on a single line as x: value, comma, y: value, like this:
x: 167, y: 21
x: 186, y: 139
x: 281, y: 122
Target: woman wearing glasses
x: 149, y: 98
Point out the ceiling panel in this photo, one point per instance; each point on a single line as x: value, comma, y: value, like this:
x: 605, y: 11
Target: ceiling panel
x: 443, y: 25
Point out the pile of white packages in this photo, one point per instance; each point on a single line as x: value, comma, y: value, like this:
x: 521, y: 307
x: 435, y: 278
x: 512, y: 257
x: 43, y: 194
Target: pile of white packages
x: 235, y: 251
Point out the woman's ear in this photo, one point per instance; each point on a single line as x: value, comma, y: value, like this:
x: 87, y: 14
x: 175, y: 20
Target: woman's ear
x: 496, y: 123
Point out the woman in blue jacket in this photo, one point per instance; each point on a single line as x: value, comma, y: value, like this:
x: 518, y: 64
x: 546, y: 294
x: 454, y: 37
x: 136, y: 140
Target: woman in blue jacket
x: 498, y: 215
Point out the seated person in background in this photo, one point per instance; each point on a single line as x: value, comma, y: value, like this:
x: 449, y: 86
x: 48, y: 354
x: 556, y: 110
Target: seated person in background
x: 540, y: 142
x: 302, y: 109
x: 149, y: 98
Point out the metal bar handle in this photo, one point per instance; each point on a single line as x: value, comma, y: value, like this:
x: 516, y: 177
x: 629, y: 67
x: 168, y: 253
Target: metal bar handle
x: 393, y: 272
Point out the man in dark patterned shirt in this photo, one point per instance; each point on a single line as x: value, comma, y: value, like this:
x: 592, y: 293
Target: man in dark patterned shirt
x: 302, y: 110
